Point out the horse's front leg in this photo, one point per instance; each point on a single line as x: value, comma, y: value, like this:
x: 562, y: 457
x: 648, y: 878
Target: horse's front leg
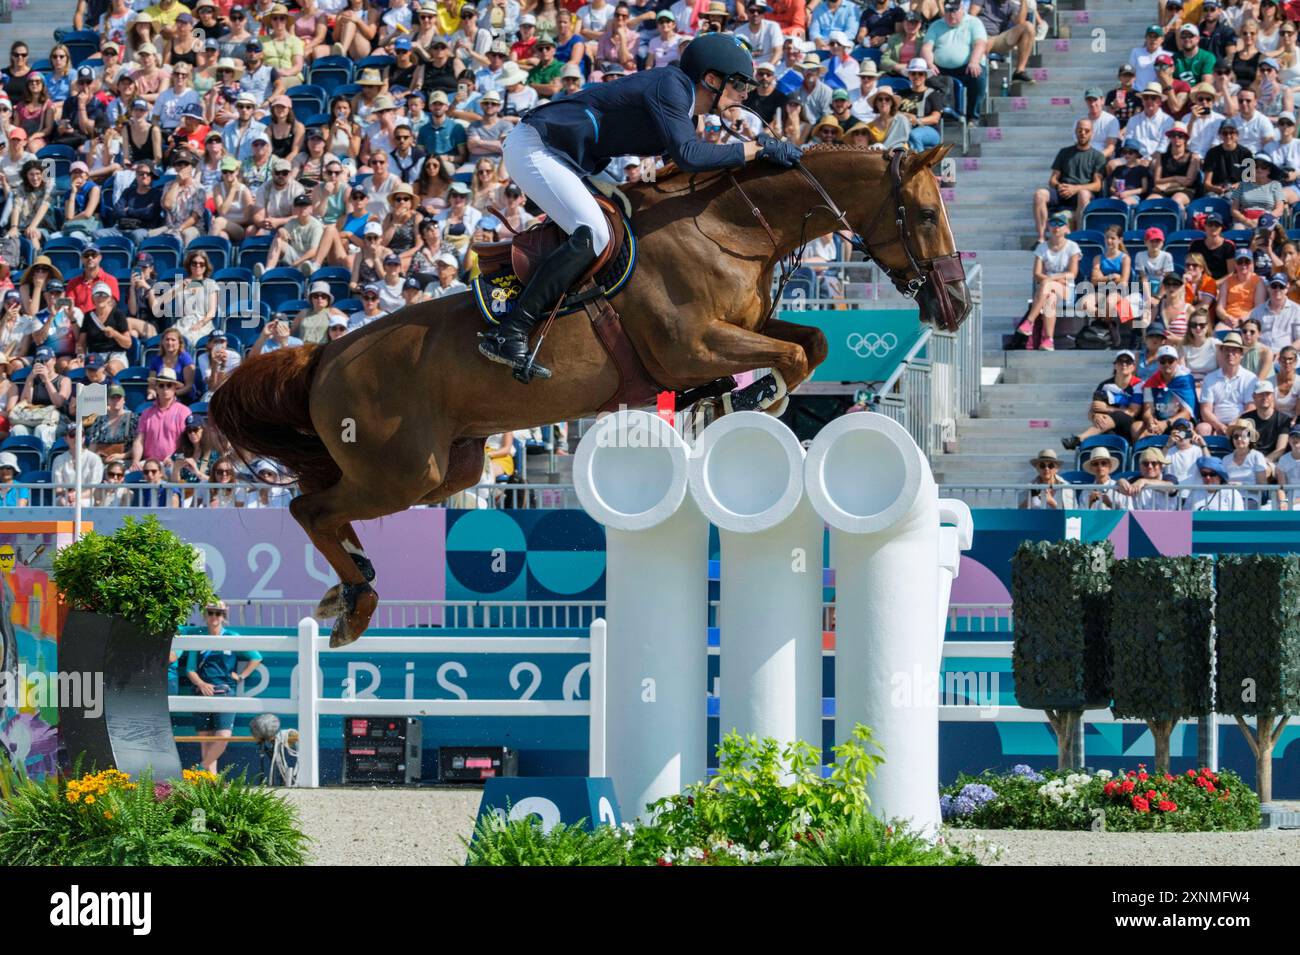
x: 810, y: 339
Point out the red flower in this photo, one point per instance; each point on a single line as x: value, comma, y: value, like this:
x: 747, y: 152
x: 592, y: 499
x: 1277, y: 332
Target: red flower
x: 1192, y: 773
x: 1128, y: 786
x: 1140, y: 804
x: 1110, y: 787
x: 1151, y: 794
x: 1210, y: 787
x: 1131, y: 774
x: 1142, y: 776
x: 1168, y: 778
x: 1167, y: 806
x: 662, y: 861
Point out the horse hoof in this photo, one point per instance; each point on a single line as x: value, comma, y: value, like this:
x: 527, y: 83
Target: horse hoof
x: 331, y: 605
x: 765, y: 393
x: 778, y: 409
x: 359, y: 602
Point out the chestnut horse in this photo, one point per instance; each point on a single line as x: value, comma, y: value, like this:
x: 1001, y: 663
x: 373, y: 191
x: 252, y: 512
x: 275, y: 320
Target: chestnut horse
x: 397, y: 413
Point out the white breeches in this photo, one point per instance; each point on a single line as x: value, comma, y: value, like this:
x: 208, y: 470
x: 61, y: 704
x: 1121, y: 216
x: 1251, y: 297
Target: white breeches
x: 549, y: 182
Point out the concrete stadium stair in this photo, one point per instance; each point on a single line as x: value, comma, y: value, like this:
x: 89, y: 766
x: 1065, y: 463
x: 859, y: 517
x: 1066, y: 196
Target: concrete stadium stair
x: 35, y: 24
x: 1039, y: 396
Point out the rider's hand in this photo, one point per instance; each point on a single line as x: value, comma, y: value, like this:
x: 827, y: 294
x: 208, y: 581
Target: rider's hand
x: 781, y: 153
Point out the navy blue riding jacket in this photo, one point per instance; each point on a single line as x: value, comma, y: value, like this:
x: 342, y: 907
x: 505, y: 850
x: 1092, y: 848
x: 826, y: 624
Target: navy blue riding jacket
x: 644, y: 114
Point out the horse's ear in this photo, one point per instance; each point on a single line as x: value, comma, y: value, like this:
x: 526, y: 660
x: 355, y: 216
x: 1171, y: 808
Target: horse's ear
x: 930, y: 157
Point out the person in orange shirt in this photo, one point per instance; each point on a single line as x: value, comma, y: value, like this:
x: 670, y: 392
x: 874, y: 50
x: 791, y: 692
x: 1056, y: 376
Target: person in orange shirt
x: 1239, y: 292
x: 790, y: 15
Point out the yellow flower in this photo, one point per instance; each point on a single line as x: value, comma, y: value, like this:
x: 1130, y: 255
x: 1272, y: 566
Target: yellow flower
x: 90, y: 798
x: 108, y: 815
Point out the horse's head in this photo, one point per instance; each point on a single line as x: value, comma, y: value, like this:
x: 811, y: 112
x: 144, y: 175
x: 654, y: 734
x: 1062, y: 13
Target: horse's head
x: 921, y: 258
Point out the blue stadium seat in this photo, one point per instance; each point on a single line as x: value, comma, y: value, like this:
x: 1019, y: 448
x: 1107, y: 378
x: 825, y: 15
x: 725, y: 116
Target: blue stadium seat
x: 151, y: 347
x: 65, y: 260
x: 1134, y: 242
x: 1218, y: 445
x: 376, y: 62
x: 57, y: 448
x: 1150, y: 441
x: 1077, y: 477
x: 1239, y: 236
x: 281, y: 285
x: 330, y: 72
x: 116, y: 260
x: 28, y: 449
x: 1091, y: 243
x: 82, y: 45
x: 165, y: 249
x: 217, y: 247
x: 347, y: 89
x: 348, y: 305
x: 1160, y: 212
x: 74, y: 243
x: 1177, y: 244
x: 135, y: 382
x: 308, y: 99
x: 1101, y: 213
x: 253, y: 251
x: 293, y: 306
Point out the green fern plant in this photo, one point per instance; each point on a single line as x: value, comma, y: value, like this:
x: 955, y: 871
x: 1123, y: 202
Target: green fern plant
x: 521, y: 842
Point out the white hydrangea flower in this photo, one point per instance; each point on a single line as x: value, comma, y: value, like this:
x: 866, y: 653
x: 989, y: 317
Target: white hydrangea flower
x: 1104, y: 774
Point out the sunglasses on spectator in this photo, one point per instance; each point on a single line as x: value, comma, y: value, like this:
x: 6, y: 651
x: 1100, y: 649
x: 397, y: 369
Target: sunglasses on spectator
x: 151, y: 471
x: 18, y: 55
x: 402, y: 199
x: 1150, y: 464
x: 115, y: 475
x: 58, y: 56
x: 215, y: 613
x: 1209, y: 474
x: 1199, y: 325
x: 222, y: 471
x: 282, y: 172
x: 1167, y: 361
x: 372, y: 296
x: 1046, y: 465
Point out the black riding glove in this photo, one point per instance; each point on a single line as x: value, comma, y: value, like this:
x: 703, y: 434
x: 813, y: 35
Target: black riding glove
x: 786, y: 155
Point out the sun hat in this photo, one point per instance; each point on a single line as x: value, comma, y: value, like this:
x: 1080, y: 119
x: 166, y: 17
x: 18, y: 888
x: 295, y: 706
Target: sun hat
x: 1098, y: 455
x: 1047, y: 454
x: 491, y: 96
x: 1208, y: 463
x: 401, y: 189
x: 917, y: 64
x: 1232, y: 340
x: 512, y: 74
x: 165, y: 374
x: 44, y: 261
x: 1152, y: 454
x: 7, y: 460
x: 320, y: 288
x: 828, y: 122
x: 811, y: 63
x: 369, y: 77
x: 868, y: 68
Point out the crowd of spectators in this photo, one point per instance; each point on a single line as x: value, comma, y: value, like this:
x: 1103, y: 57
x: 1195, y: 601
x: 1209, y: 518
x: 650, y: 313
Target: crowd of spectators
x: 1204, y: 390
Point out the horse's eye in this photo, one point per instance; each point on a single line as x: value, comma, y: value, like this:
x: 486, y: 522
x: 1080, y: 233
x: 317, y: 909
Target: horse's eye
x: 929, y: 216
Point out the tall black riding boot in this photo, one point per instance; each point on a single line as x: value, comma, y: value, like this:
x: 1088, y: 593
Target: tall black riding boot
x: 552, y: 277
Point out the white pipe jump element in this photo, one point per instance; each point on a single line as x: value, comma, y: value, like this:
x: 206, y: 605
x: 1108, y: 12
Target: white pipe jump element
x: 747, y: 477
x: 869, y: 481
x: 630, y: 474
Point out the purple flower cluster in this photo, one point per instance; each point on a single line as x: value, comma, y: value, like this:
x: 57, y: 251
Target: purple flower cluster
x: 161, y: 791
x: 971, y: 797
x: 1020, y: 769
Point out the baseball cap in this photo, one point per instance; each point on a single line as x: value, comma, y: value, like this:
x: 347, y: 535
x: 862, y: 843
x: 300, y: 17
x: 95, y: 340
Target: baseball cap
x: 950, y: 5
x: 44, y: 354
x: 1213, y: 218
x: 1279, y: 280
x: 1269, y: 61
x: 528, y: 20
x: 913, y: 17
x: 101, y: 288
x: 1060, y: 218
x: 372, y: 228
x: 1285, y: 116
x: 301, y: 200
x: 1093, y: 92
x: 438, y: 96
x: 1155, y: 232
x: 192, y: 109
x: 359, y: 193
x: 1164, y: 59
x: 13, y: 295
x: 460, y: 188
x: 114, y: 390
x: 1125, y: 353
x: 280, y: 164
x: 1131, y: 146
x: 1265, y: 387
x: 78, y: 166
x: 1244, y: 255
x: 85, y: 74
x: 446, y: 258
x: 402, y: 43
x: 371, y: 289
x: 1155, y: 30
x: 139, y: 104
x: 94, y: 361
x: 246, y: 97
x: 840, y: 37
x: 193, y: 421
x: 571, y: 71
x: 392, y: 259
x: 917, y: 65
x: 1189, y: 29
x: 216, y: 335
x: 840, y: 94
x: 144, y: 260
x: 338, y: 321
x: 252, y: 46
x: 411, y: 284
x: 1167, y: 351
x: 55, y: 286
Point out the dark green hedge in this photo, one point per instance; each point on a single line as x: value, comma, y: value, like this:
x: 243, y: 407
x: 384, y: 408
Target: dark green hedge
x: 1258, y: 634
x: 1059, y: 593
x: 1160, y: 635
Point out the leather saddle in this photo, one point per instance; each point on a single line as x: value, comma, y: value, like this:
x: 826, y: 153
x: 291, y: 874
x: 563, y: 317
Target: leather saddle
x: 524, y: 250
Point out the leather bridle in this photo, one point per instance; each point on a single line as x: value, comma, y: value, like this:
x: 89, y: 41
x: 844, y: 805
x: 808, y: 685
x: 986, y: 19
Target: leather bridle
x: 940, y: 271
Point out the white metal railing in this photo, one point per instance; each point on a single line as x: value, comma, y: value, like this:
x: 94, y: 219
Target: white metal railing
x: 311, y: 705
x: 451, y: 614
x: 1010, y: 496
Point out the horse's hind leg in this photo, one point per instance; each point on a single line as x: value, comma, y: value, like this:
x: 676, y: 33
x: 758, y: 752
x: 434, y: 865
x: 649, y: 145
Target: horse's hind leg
x: 324, y: 515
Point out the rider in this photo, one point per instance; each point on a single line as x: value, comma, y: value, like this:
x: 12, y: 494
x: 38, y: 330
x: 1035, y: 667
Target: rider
x: 557, y: 145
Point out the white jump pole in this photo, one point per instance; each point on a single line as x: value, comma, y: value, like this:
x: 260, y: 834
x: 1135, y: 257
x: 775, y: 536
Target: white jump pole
x: 747, y: 477
x: 952, y: 541
x: 630, y: 475
x: 869, y: 481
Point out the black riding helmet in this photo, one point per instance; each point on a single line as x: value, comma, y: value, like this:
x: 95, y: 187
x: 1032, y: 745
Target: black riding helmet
x: 723, y: 53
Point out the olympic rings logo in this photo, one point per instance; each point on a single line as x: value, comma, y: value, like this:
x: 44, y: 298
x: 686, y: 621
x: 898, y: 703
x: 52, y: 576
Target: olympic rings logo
x: 871, y: 344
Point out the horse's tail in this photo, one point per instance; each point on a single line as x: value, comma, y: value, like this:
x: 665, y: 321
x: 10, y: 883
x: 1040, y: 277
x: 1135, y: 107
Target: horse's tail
x: 263, y: 409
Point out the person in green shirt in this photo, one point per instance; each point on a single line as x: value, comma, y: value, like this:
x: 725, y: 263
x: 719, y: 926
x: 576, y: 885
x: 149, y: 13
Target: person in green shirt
x: 1192, y: 64
x: 545, y: 76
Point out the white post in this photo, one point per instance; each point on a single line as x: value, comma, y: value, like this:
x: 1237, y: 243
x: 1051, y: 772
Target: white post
x: 597, y: 675
x: 76, y: 466
x: 747, y: 478
x: 630, y: 474
x: 308, y: 717
x: 952, y: 541
x: 870, y: 482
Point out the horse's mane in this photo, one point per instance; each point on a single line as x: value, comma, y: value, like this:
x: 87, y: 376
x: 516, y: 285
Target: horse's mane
x: 672, y: 171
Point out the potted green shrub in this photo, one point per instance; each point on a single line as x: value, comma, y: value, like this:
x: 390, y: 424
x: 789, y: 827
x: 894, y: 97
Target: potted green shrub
x: 127, y: 593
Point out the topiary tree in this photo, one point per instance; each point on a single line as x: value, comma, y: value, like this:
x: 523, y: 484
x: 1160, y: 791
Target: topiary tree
x: 1161, y: 639
x: 1258, y: 650
x: 1060, y: 593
